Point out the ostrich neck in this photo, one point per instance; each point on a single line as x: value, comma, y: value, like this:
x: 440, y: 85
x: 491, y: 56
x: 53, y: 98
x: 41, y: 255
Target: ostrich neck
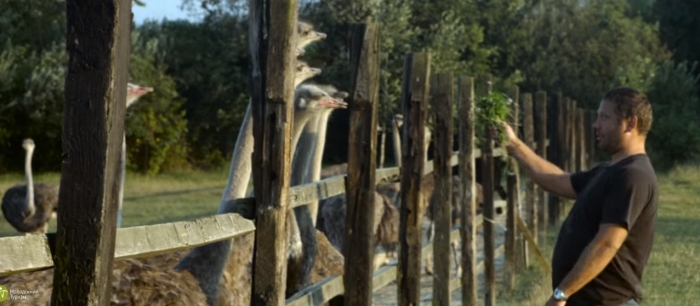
x: 241, y: 167
x: 30, y: 181
x: 315, y: 160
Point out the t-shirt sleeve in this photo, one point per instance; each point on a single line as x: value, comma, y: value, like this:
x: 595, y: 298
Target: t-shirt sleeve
x: 628, y: 195
x: 580, y: 179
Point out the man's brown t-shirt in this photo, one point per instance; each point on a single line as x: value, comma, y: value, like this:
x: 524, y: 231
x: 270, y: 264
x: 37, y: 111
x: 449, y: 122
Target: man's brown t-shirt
x: 625, y: 193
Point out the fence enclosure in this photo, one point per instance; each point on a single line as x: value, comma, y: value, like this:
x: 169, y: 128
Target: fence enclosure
x: 552, y: 125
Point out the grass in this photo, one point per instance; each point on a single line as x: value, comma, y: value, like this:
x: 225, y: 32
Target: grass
x: 671, y: 276
x: 178, y: 196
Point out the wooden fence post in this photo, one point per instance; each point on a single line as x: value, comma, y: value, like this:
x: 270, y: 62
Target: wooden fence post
x: 467, y: 177
x: 591, y: 137
x: 540, y: 119
x: 382, y: 146
x: 558, y: 148
x: 442, y: 89
x: 95, y: 92
x: 415, y: 102
x: 359, y: 229
x: 573, y: 136
x: 272, y: 105
x: 397, y: 141
x: 581, y: 139
x: 487, y: 174
x: 513, y: 249
x: 530, y: 208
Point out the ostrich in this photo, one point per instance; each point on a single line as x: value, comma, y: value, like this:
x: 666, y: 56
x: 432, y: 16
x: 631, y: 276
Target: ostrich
x: 306, y: 169
x: 306, y: 35
x: 133, y: 93
x: 29, y: 208
x: 208, y: 276
x: 206, y: 263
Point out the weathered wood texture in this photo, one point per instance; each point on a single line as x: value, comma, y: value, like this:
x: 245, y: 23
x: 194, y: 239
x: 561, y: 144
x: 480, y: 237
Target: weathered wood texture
x: 93, y: 128
x: 442, y: 96
x: 272, y: 83
x: 20, y: 253
x: 573, y: 145
x: 487, y: 183
x: 396, y: 136
x: 359, y: 229
x: 483, y: 88
x: 540, y: 122
x: 559, y: 148
x: 512, y: 206
x: 415, y: 101
x: 581, y: 139
x: 467, y: 175
x: 529, y: 131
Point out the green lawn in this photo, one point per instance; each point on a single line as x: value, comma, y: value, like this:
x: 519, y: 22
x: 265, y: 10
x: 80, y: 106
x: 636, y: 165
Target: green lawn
x: 150, y: 200
x: 672, y: 276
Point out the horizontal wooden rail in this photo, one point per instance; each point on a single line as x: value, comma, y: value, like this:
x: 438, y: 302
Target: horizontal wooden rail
x: 34, y: 252
x: 306, y: 193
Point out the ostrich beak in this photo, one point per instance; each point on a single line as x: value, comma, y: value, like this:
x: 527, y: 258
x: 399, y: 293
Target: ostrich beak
x: 333, y: 103
x: 321, y: 34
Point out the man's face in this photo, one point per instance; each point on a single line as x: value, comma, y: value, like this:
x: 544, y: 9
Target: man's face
x: 609, y: 128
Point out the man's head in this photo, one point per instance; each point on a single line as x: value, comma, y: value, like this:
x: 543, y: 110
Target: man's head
x: 624, y: 119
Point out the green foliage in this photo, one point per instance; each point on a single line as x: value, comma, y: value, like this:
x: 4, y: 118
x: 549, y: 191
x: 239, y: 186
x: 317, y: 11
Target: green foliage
x: 492, y: 110
x: 156, y: 128
x: 675, y: 133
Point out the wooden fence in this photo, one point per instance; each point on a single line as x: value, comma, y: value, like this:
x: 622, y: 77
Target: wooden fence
x: 553, y: 125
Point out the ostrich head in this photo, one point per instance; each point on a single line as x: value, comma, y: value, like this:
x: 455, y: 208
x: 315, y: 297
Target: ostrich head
x: 134, y: 92
x: 304, y: 72
x: 28, y: 144
x: 306, y: 35
x: 334, y: 92
x: 310, y: 99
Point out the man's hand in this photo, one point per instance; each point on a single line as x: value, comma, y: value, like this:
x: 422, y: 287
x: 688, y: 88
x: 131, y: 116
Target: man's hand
x: 553, y: 302
x: 509, y: 131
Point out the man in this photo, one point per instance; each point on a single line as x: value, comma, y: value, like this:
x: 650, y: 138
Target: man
x: 606, y: 239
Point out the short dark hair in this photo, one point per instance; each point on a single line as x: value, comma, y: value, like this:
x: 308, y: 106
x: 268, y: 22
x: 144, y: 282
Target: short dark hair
x: 629, y: 103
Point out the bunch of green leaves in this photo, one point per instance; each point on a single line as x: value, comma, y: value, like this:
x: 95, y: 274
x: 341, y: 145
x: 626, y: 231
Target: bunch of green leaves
x: 492, y: 110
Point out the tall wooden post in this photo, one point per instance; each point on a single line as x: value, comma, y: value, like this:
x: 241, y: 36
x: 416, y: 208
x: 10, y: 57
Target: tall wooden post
x: 397, y: 140
x: 272, y: 54
x: 573, y: 143
x: 467, y: 177
x: 442, y: 88
x: 93, y: 129
x: 540, y: 119
x: 513, y: 209
x: 582, y: 139
x: 484, y: 88
x: 415, y: 101
x: 529, y: 133
x: 591, y: 138
x: 558, y: 148
x: 364, y: 54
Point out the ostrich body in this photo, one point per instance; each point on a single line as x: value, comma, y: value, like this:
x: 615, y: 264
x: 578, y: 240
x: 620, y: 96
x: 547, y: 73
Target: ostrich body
x: 133, y: 93
x: 30, y: 207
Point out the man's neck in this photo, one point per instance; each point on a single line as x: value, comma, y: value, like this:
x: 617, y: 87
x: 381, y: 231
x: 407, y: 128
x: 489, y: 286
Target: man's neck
x: 633, y: 149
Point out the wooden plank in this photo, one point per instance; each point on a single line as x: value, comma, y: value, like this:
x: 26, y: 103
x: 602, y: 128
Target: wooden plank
x: 538, y: 254
x: 382, y: 147
x: 559, y: 150
x: 487, y: 183
x: 467, y: 175
x: 540, y: 124
x: 93, y: 129
x: 530, y: 207
x: 513, y: 252
x: 362, y: 156
x: 442, y: 96
x: 414, y: 97
x: 272, y: 101
x: 33, y: 252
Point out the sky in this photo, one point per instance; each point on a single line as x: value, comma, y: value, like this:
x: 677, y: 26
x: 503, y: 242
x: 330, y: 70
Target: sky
x: 159, y: 9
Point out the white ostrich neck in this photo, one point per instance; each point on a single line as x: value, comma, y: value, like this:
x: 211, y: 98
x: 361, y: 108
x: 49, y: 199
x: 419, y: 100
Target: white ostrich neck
x: 320, y: 130
x: 241, y: 164
x: 30, y: 181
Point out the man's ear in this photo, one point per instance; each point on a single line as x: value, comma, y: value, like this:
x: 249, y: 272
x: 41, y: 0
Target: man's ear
x: 631, y: 124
